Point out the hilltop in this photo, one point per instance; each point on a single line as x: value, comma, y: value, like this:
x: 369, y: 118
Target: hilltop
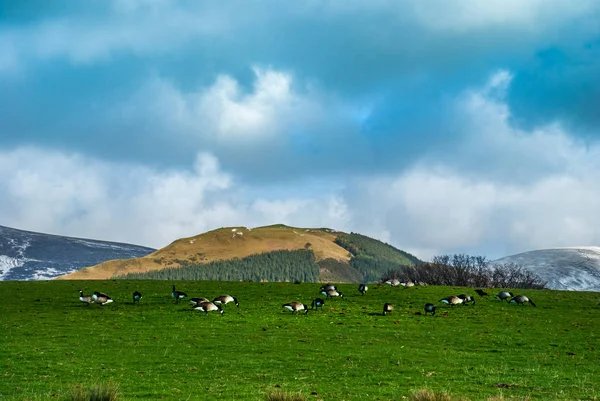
x: 574, y: 268
x: 27, y: 255
x: 339, y: 256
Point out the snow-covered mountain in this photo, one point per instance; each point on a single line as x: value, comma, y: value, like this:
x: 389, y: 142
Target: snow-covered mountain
x: 26, y: 255
x: 576, y: 268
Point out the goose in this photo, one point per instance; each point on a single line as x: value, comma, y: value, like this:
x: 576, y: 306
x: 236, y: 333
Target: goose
x: 429, y: 308
x: 481, y: 293
x: 208, y: 307
x: 521, y: 299
x: 101, y: 298
x: 198, y: 301
x: 137, y: 296
x: 467, y: 298
x: 328, y: 287
x: 87, y: 299
x: 362, y: 288
x: 393, y: 282
x: 225, y: 299
x: 407, y: 284
x: 318, y: 303
x: 295, y: 306
x: 178, y: 295
x: 451, y: 300
x: 502, y: 295
x: 387, y: 308
x: 332, y: 293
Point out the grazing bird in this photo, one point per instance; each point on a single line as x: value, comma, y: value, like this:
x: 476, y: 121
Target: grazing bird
x: 387, y: 308
x: 87, y: 299
x: 198, y: 301
x: 208, y: 307
x: 362, y: 288
x: 318, y: 303
x: 429, y: 308
x: 521, y: 299
x: 393, y: 282
x: 482, y: 293
x: 451, y: 300
x: 137, y: 296
x: 295, y: 306
x: 332, y: 293
x: 407, y: 284
x: 225, y: 299
x: 178, y: 295
x: 466, y: 298
x: 502, y: 295
x: 328, y: 287
x: 101, y: 298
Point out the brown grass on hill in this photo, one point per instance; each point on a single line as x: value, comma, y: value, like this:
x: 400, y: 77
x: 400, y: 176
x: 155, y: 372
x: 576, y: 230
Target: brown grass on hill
x: 221, y: 244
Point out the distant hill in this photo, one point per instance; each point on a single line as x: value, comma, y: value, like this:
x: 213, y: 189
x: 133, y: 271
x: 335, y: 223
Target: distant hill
x: 26, y: 255
x: 576, y: 268
x: 241, y: 253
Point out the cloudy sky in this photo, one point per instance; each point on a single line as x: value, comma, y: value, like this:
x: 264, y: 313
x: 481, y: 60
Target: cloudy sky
x: 436, y: 126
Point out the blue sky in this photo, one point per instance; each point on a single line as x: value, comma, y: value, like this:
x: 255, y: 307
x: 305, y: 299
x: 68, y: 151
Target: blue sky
x: 436, y: 126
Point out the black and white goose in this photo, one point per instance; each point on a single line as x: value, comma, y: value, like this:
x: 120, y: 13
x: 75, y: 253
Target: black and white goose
x: 387, y: 308
x: 482, y: 293
x: 198, y: 301
x: 295, y: 306
x: 467, y: 299
x: 137, y: 296
x: 225, y: 299
x: 502, y: 295
x: 328, y: 287
x: 429, y: 308
x: 363, y: 288
x: 208, y: 307
x: 332, y: 293
x: 178, y: 295
x: 86, y: 299
x: 407, y: 284
x: 451, y: 300
x: 317, y: 303
x: 521, y: 299
x: 393, y: 282
x: 101, y: 298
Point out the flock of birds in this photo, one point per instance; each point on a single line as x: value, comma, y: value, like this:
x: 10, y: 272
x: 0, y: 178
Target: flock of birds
x: 328, y: 290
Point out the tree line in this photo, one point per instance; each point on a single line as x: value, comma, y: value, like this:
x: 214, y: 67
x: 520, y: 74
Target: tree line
x: 371, y: 257
x: 467, y: 271
x: 282, y: 265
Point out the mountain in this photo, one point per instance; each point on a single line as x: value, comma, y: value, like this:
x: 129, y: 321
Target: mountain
x: 576, y: 268
x: 334, y: 256
x: 26, y: 255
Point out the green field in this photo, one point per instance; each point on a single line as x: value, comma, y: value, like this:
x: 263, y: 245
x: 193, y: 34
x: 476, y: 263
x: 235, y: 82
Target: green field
x: 52, y: 344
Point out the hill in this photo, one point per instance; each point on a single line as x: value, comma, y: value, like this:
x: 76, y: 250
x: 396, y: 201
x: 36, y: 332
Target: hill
x: 26, y: 255
x: 333, y: 253
x: 576, y: 268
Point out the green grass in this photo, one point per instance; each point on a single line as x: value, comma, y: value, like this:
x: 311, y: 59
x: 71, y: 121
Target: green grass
x: 51, y: 344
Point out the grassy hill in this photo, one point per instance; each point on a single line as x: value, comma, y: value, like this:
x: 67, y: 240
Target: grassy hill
x: 339, y: 256
x: 53, y: 345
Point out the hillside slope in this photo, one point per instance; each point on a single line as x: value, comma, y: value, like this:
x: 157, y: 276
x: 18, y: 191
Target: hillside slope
x: 26, y: 255
x: 222, y: 244
x: 231, y: 243
x: 576, y: 268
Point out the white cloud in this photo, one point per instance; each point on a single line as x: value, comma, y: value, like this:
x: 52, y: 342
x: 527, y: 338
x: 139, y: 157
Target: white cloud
x: 474, y: 14
x: 518, y: 190
x: 225, y: 113
x: 76, y: 196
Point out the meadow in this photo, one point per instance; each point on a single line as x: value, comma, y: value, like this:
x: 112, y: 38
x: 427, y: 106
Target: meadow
x: 52, y: 344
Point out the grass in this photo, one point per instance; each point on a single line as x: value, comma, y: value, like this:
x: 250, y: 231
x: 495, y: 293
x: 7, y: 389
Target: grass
x: 50, y: 343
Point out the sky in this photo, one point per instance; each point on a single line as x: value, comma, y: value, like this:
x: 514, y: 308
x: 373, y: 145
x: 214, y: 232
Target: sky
x: 438, y: 127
